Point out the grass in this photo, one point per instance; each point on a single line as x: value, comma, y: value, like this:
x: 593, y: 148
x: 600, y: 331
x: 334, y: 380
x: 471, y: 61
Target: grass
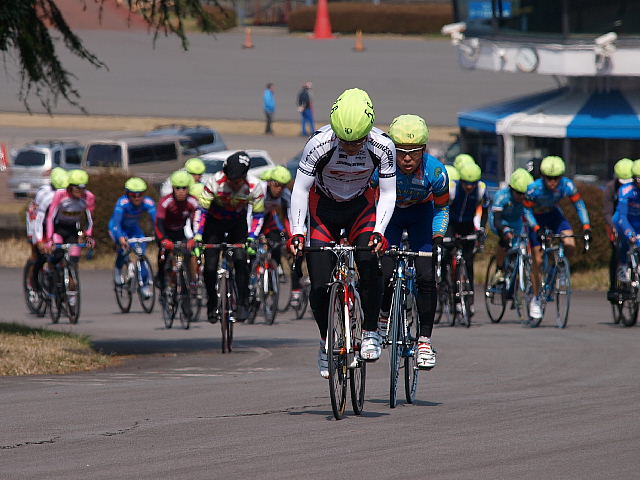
x: 37, y: 351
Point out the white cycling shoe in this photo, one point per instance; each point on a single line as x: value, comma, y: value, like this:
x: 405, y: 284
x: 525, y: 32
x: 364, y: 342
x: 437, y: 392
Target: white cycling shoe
x: 535, y: 311
x: 323, y: 361
x: 426, y: 356
x: 370, y: 350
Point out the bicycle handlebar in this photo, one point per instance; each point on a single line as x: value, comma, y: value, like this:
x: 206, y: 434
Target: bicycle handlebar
x: 141, y: 239
x: 394, y: 252
x: 472, y: 236
x: 66, y: 246
x: 222, y: 245
x: 337, y: 248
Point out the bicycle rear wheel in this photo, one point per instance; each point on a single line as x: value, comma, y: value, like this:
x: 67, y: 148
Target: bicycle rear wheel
x: 494, y: 293
x: 337, y: 351
x: 54, y: 302
x: 123, y: 291
x: 146, y: 302
x: 463, y: 292
x: 410, y: 353
x: 301, y: 307
x: 627, y: 306
x: 270, y: 291
x: 72, y: 295
x: 184, y: 299
x: 284, y: 297
x: 32, y: 296
x: 523, y: 290
x: 358, y: 368
x: 168, y: 299
x: 395, y: 350
x: 254, y: 292
x: 562, y: 293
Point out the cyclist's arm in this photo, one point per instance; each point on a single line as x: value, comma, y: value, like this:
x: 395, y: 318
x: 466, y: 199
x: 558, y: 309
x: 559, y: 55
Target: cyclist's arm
x: 300, y: 202
x: 386, y: 203
x: 257, y: 210
x: 53, y: 211
x: 578, y: 202
x: 528, y: 214
x: 91, y: 207
x: 622, y: 215
x: 161, y: 215
x: 41, y: 214
x: 440, y: 187
x: 115, y: 223
x: 150, y: 205
x: 480, y: 218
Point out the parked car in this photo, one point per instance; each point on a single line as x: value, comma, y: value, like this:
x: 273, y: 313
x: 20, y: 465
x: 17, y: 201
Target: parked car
x: 198, y: 140
x: 32, y: 164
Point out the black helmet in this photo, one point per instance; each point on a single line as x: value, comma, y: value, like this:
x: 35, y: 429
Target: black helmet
x: 237, y: 165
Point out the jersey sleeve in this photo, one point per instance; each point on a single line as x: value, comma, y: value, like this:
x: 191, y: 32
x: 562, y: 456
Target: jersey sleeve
x: 115, y: 223
x: 571, y: 191
x: 161, y: 215
x: 439, y: 179
x: 386, y: 203
x: 622, y: 211
x: 150, y: 208
x: 529, y: 203
x: 91, y: 208
x: 53, y: 211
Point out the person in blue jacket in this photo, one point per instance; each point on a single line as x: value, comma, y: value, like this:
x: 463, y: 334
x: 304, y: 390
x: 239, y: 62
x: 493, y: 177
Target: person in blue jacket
x: 627, y: 220
x: 542, y: 212
x: 422, y: 209
x: 269, y: 102
x: 125, y: 222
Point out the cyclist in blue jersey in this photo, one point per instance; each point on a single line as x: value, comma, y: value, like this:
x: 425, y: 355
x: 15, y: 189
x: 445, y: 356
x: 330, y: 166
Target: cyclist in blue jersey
x: 125, y: 223
x: 469, y: 204
x: 542, y: 211
x: 506, y: 215
x: 422, y: 209
x: 627, y: 219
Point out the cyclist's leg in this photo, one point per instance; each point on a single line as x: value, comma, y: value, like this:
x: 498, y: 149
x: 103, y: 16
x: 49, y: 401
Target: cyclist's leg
x: 276, y: 251
x: 467, y: 228
x: 501, y: 251
x: 213, y: 233
x: 237, y: 233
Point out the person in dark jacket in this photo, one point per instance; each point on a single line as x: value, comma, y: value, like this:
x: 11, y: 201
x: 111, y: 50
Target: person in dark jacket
x: 305, y: 107
x: 623, y: 175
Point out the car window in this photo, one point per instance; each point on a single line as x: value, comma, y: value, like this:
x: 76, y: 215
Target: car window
x: 258, y: 162
x: 214, y: 166
x: 102, y: 155
x: 29, y: 158
x: 164, y: 152
x: 202, y: 138
x: 56, y: 157
x: 73, y: 156
x: 140, y: 154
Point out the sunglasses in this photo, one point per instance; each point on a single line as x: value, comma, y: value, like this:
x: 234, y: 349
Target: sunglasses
x: 136, y: 194
x: 181, y: 188
x: 354, y: 143
x: 552, y: 178
x: 414, y: 152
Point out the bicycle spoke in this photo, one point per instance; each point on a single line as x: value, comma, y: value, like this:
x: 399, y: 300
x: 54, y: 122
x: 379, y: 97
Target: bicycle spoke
x: 357, y: 368
x: 494, y: 292
x: 562, y: 293
x: 410, y: 353
x: 395, y: 350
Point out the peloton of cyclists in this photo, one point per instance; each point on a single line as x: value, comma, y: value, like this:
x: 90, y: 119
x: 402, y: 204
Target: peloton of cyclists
x: 332, y: 186
x: 194, y: 167
x: 125, y: 223
x: 221, y: 217
x: 627, y: 220
x: 422, y: 209
x: 542, y: 212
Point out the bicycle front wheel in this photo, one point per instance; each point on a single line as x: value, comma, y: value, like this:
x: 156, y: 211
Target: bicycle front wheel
x: 463, y: 294
x: 395, y: 351
x: 357, y: 368
x: 270, y: 291
x: 54, y: 302
x: 412, y: 326
x: 301, y: 307
x: 337, y: 351
x: 494, y: 293
x: 168, y: 299
x: 32, y: 296
x: 284, y: 297
x: 184, y: 299
x: 123, y: 291
x: 72, y: 295
x: 627, y: 306
x: 523, y: 290
x: 562, y: 293
x: 145, y: 287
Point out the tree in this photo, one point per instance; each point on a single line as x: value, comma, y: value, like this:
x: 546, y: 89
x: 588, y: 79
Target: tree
x: 26, y: 28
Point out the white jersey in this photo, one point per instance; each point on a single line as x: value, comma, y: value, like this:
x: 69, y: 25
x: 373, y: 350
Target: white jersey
x: 342, y: 177
x: 43, y: 199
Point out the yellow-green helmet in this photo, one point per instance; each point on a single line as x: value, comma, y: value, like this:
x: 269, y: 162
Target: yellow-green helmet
x: 635, y: 169
x: 622, y: 169
x: 196, y: 189
x: 352, y: 115
x: 409, y: 130
x: 59, y: 178
x: 135, y: 184
x: 470, y: 172
x: 181, y: 179
x: 461, y: 159
x: 452, y: 172
x: 78, y: 177
x: 520, y: 180
x: 195, y: 166
x: 279, y: 174
x: 552, y: 166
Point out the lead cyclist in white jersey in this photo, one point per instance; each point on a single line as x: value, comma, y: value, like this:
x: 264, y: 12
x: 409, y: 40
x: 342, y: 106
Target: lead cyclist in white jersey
x: 332, y: 186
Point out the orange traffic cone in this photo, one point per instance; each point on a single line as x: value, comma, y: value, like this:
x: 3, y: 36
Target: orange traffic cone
x: 359, y: 47
x: 248, y: 40
x: 323, y: 24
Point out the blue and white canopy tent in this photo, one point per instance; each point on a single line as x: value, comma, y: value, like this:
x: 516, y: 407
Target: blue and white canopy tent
x: 610, y: 120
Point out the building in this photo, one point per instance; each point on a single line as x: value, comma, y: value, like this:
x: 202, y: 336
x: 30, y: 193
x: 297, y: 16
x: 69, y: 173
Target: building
x: 591, y: 47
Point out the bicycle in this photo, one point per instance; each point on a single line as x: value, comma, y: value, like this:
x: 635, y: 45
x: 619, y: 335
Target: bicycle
x: 299, y: 304
x: 403, y: 324
x: 516, y: 285
x: 198, y: 289
x: 264, y: 284
x: 344, y: 330
x: 226, y: 291
x: 625, y: 309
x: 556, y: 278
x: 175, y: 296
x: 63, y: 285
x: 458, y: 285
x: 34, y: 296
x: 132, y: 274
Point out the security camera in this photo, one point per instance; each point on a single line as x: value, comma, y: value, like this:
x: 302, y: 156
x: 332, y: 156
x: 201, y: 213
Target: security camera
x: 606, y: 39
x: 453, y: 28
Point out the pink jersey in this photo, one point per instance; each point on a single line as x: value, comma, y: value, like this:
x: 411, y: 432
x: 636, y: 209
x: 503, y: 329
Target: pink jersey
x: 66, y: 212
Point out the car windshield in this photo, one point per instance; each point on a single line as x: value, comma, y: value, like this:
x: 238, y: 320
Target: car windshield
x: 258, y: 162
x: 214, y: 166
x: 29, y: 158
x: 104, y: 155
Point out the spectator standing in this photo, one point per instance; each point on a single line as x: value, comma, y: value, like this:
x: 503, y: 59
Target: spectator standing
x: 305, y: 107
x: 269, y: 99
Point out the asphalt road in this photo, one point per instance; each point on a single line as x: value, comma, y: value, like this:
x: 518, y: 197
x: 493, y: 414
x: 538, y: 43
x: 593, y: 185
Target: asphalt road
x: 216, y: 78
x: 504, y: 402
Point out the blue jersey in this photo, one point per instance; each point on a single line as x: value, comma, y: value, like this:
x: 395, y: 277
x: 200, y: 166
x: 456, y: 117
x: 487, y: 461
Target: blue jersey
x: 468, y: 207
x: 541, y: 200
x: 506, y: 214
x: 125, y: 221
x: 627, y: 216
x: 428, y: 184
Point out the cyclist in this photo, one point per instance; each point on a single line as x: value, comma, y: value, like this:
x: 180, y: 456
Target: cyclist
x: 462, y: 159
x: 506, y: 215
x: 194, y: 166
x: 422, y: 209
x: 627, y: 219
x: 59, y: 179
x: 125, y: 224
x: 332, y: 185
x: 174, y: 211
x: 222, y: 217
x: 542, y: 212
x: 468, y: 210
x: 623, y: 175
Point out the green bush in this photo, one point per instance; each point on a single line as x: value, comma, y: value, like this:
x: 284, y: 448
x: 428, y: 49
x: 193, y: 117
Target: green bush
x: 371, y: 18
